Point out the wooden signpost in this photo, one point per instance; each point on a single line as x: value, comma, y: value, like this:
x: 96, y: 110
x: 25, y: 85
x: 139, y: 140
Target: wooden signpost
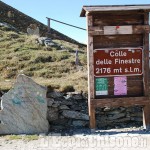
x: 118, y: 58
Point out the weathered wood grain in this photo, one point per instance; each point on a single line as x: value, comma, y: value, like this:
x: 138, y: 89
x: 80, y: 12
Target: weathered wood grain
x: 116, y: 102
x: 114, y: 19
x: 146, y: 109
x: 115, y: 30
x: 114, y: 9
x: 146, y: 116
x: 146, y: 58
x: 117, y: 41
x: 90, y: 74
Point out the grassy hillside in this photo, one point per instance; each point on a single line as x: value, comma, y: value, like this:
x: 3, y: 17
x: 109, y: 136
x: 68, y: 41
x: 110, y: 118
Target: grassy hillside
x: 19, y: 53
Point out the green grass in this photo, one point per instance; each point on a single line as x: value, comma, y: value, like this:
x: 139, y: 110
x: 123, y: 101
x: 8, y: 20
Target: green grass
x: 20, y: 54
x: 24, y: 137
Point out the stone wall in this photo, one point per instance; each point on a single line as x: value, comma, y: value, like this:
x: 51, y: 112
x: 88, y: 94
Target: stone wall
x: 29, y: 108
x: 70, y: 110
x: 22, y: 21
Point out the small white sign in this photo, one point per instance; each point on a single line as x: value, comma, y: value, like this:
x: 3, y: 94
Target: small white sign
x: 101, y: 92
x: 111, y: 30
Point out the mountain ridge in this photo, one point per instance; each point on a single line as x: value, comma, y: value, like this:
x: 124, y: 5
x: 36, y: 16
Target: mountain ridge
x: 21, y: 21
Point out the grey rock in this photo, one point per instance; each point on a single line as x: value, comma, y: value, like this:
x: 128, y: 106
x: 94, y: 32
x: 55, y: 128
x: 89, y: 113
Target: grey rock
x: 114, y: 112
x: 122, y: 109
x: 56, y: 104
x: 24, y: 108
x: 63, y: 107
x: 78, y: 97
x: 50, y: 101
x: 107, y: 109
x: 59, y: 121
x: 102, y: 118
x: 75, y: 115
x: 67, y: 97
x: 58, y: 127
x: 8, y: 26
x: 52, y: 114
x: 134, y: 109
x: 33, y: 30
x: 75, y: 95
x: 76, y: 107
x: 67, y: 102
x: 137, y: 119
x: 54, y: 94
x: 62, y: 47
x: 117, y: 116
x: 122, y: 120
x: 48, y: 42
x: 79, y: 123
x: 137, y: 114
x: 41, y: 40
x: 104, y: 123
x: 61, y: 117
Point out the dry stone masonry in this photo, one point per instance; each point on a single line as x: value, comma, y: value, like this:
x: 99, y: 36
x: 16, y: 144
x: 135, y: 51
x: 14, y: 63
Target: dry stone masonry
x: 24, y: 108
x: 70, y: 111
x: 30, y: 108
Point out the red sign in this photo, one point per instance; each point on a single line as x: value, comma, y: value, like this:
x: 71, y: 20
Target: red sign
x: 119, y: 61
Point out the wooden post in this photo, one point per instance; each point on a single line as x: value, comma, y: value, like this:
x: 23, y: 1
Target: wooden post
x: 92, y: 117
x: 48, y: 24
x: 146, y: 117
x: 146, y: 56
x: 146, y: 109
x: 90, y: 64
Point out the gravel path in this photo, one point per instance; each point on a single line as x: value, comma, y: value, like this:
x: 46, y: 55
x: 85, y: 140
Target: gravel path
x: 78, y: 140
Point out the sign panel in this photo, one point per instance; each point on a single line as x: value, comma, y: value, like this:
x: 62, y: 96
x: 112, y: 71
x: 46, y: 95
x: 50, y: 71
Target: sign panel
x: 126, y: 61
x: 101, y: 86
x: 120, y: 85
x: 112, y: 30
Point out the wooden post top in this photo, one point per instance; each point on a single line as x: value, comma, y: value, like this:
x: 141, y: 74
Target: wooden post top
x: 114, y: 8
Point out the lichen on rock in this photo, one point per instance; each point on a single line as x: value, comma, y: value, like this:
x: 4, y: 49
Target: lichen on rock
x: 24, y: 108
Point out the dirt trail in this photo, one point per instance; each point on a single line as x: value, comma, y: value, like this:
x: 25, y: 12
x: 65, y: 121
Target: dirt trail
x: 101, y: 140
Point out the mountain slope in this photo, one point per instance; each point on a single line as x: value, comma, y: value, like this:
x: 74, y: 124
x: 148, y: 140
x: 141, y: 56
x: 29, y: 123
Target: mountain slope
x: 19, y: 53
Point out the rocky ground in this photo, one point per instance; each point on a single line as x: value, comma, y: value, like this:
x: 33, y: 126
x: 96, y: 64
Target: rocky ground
x: 120, y: 139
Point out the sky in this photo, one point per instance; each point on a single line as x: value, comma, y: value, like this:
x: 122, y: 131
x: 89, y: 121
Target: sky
x: 67, y: 11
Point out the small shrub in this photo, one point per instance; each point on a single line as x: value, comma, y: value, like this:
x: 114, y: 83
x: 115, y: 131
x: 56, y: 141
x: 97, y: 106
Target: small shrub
x: 67, y: 88
x: 83, y: 59
x: 8, y: 73
x: 60, y: 56
x: 42, y: 59
x: 5, y: 28
x: 29, y: 73
x: 20, y: 137
x: 13, y: 35
x: 21, y: 40
x: 50, y: 88
x: 23, y: 58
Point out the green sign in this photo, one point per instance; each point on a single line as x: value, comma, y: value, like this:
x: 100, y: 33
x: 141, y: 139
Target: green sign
x: 101, y: 86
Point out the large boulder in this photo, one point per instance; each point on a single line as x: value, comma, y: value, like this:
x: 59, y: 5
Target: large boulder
x: 75, y: 115
x: 24, y: 108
